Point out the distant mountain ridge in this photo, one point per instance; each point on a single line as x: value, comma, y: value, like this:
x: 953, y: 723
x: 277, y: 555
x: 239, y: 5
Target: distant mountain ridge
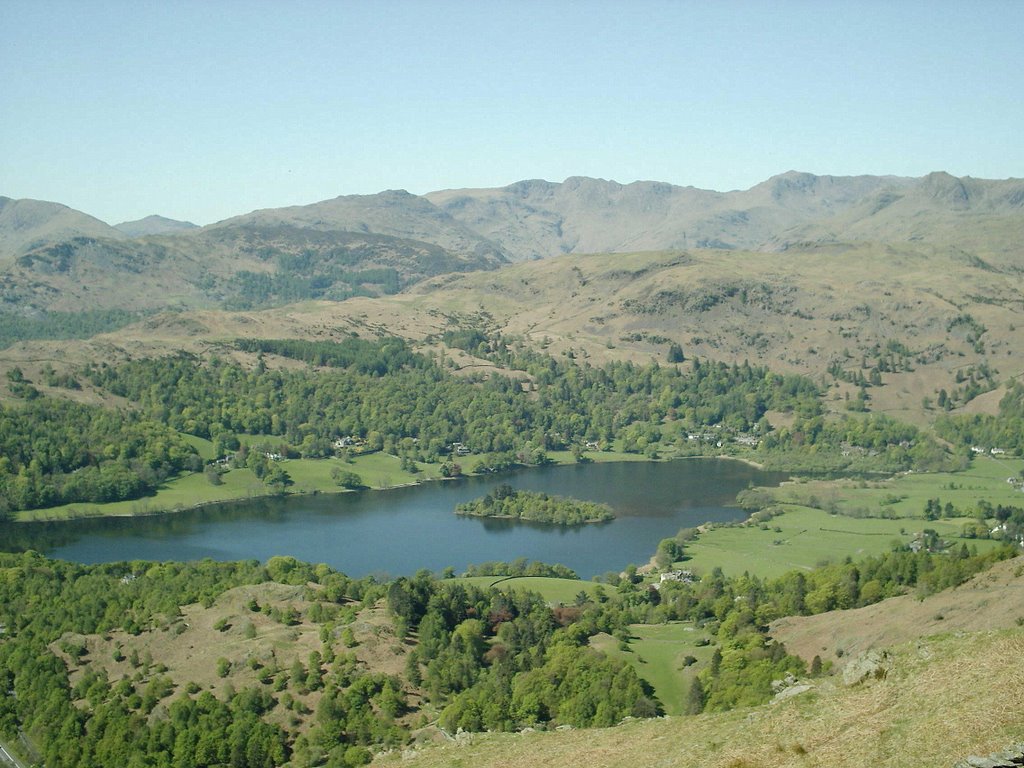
x: 52, y: 256
x: 395, y: 213
x: 535, y: 219
x: 26, y: 224
x: 154, y: 225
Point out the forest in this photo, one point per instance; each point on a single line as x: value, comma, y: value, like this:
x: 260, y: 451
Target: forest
x: 396, y: 400
x: 55, y: 451
x: 412, y: 405
x: 63, y: 325
x: 482, y: 658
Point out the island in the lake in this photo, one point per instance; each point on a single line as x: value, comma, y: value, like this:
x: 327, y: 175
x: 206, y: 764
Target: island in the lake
x: 506, y: 502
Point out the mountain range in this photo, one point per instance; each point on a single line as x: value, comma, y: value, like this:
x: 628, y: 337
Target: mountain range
x: 370, y: 244
x: 801, y: 272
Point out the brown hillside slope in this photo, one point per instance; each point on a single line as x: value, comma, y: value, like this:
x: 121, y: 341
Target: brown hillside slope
x: 943, y: 699
x: 991, y: 600
x: 792, y: 311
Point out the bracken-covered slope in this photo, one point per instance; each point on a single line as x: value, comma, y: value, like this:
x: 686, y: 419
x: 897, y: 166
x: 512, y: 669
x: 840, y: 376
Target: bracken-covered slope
x: 993, y: 599
x: 924, y: 318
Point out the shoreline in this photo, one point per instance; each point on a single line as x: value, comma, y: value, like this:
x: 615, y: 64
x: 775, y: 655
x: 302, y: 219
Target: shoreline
x: 95, y: 511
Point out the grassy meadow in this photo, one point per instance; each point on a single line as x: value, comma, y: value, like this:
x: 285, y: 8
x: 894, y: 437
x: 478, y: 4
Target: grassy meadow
x: 554, y: 591
x: 657, y: 652
x: 805, y: 535
x: 802, y: 537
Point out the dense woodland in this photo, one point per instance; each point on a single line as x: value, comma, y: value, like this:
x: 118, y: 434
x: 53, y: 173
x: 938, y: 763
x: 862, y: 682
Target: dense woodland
x: 505, y: 501
x: 868, y: 443
x: 484, y: 658
x: 56, y: 451
x: 63, y: 325
x: 394, y: 399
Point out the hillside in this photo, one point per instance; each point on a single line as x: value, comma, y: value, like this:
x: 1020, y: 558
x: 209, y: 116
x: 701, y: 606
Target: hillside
x: 993, y: 599
x: 901, y: 717
x: 901, y: 721
x: 395, y: 213
x: 26, y: 224
x: 239, y: 265
x: 924, y: 318
x: 906, y: 287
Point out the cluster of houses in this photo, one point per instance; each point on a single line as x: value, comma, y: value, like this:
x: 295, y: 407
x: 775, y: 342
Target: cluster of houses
x: 685, y: 577
x: 348, y: 442
x: 991, y: 451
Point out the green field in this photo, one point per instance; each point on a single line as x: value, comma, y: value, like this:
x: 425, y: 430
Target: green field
x: 377, y: 470
x: 656, y: 652
x: 598, y: 457
x: 803, y: 537
x: 905, y: 495
x: 181, y: 493
x: 555, y: 591
x: 203, y: 446
x: 872, y: 516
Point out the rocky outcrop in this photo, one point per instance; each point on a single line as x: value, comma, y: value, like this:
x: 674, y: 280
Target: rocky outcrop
x: 1008, y: 758
x: 870, y: 665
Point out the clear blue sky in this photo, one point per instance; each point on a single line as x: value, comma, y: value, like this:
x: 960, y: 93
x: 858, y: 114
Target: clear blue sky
x: 203, y: 110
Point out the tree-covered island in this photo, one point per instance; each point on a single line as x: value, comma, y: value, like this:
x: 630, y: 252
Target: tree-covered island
x: 506, y: 502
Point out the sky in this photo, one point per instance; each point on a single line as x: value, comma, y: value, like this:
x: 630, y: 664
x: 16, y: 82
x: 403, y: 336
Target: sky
x: 204, y: 110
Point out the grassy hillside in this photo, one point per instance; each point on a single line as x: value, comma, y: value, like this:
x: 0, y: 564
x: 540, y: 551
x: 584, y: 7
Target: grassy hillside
x: 667, y: 656
x: 902, y: 721
x: 994, y: 599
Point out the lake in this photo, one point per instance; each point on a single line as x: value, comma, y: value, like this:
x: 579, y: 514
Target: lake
x: 399, y: 531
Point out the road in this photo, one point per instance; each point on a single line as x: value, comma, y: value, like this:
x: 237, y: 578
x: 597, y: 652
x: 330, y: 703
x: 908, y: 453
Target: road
x: 8, y: 759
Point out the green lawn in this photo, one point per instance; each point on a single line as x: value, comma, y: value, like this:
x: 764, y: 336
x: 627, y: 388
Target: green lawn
x: 180, y: 493
x: 807, y: 537
x: 555, y: 591
x: 377, y: 470
x: 203, y: 446
x: 598, y: 457
x: 656, y: 652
